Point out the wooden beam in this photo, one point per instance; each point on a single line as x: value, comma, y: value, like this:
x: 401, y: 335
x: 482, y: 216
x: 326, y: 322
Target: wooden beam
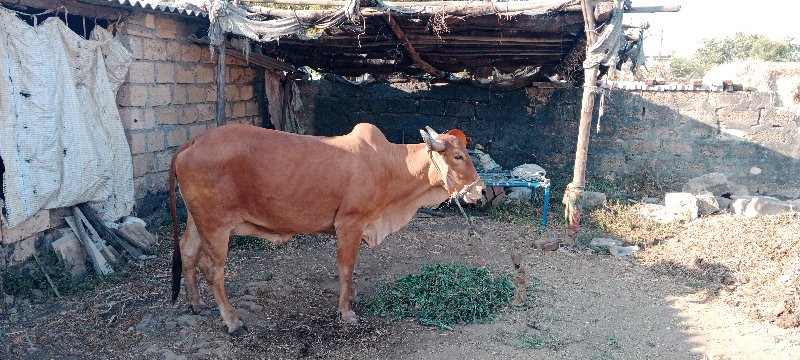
x: 514, y: 6
x: 220, y: 105
x: 654, y: 9
x: 73, y: 7
x: 255, y: 58
x: 477, y: 8
x: 411, y: 51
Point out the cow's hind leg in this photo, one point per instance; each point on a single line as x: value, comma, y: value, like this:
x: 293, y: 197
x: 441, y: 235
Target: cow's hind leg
x: 190, y: 252
x: 349, y: 241
x: 216, y: 247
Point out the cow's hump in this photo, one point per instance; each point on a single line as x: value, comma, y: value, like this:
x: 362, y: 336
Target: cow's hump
x: 369, y: 133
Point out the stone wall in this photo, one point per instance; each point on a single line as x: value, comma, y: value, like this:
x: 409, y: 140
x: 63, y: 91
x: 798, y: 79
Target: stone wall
x: 667, y: 136
x: 169, y: 95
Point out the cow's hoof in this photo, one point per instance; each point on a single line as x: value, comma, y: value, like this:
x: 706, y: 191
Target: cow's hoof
x: 196, y: 309
x: 350, y: 318
x: 241, y: 330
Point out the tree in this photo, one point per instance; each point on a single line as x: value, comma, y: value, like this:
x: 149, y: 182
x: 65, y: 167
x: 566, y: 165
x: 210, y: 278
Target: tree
x: 683, y: 68
x: 741, y: 46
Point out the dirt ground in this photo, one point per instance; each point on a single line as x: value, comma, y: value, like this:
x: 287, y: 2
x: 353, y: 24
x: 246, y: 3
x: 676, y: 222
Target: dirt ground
x: 585, y: 305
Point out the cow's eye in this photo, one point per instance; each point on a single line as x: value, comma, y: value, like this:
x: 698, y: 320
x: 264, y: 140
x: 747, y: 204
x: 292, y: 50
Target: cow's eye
x: 459, y: 157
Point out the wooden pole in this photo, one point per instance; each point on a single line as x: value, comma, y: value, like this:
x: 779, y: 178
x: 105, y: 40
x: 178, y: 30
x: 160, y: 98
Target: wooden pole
x: 584, y: 129
x: 574, y: 190
x: 220, y: 106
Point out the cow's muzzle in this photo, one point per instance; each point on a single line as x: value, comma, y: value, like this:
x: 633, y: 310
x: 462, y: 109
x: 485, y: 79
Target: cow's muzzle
x: 472, y: 192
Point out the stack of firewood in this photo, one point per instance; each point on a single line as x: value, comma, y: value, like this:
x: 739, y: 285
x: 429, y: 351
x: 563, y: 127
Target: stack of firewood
x: 107, y: 244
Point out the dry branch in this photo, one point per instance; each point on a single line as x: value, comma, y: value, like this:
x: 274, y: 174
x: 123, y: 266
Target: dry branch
x: 411, y: 51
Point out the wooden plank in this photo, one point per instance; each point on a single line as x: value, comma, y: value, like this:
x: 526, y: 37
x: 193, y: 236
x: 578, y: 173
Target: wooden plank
x: 101, y: 267
x: 93, y: 234
x: 106, y: 234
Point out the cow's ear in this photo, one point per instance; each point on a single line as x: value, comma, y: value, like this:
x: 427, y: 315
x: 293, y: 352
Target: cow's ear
x: 459, y: 134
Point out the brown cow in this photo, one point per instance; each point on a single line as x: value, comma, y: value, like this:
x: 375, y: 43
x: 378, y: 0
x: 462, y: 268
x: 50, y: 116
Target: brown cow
x: 245, y: 180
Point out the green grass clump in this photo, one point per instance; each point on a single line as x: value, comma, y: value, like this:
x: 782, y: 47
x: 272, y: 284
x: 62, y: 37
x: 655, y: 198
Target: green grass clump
x: 23, y: 280
x: 444, y: 295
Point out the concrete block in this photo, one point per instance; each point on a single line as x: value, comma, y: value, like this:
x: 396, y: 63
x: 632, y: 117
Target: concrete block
x: 153, y: 49
x: 716, y: 183
x: 159, y: 183
x: 173, y: 51
x: 164, y: 116
x: 196, y: 130
x: 546, y: 244
x: 188, y: 114
x: 197, y: 94
x: 682, y: 204
x: 141, y: 72
x: 179, y: 95
x: 40, y: 221
x: 160, y: 95
x: 166, y: 27
x: 430, y: 107
x: 459, y: 109
x: 239, y: 109
x: 205, y: 74
x: 707, y: 203
x: 231, y: 92
x: 142, y: 164
x: 22, y: 250
x: 149, y: 21
x: 252, y: 108
x: 206, y: 111
x: 69, y: 250
x: 176, y: 137
x: 165, y: 72
x: 140, y: 187
x: 132, y: 95
x: 723, y: 202
x: 591, y: 199
x: 133, y: 118
x: 138, y: 142
x: 246, y: 92
x: 184, y: 73
x: 756, y: 206
x: 155, y: 140
x: 162, y: 161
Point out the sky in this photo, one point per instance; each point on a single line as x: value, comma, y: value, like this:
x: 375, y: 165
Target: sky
x: 702, y: 19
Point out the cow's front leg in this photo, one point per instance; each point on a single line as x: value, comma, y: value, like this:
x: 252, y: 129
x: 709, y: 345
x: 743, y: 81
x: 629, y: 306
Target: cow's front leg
x: 349, y: 241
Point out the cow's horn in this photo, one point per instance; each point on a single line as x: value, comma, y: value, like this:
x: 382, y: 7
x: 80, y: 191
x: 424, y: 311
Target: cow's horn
x: 433, y: 133
x: 432, y: 143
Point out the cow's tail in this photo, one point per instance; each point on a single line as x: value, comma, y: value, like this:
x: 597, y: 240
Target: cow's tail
x: 177, y: 265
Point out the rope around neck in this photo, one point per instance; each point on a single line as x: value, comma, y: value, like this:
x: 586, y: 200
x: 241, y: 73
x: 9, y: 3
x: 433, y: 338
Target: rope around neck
x: 456, y: 194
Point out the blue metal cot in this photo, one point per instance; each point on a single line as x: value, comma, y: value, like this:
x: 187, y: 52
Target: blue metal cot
x: 503, y: 178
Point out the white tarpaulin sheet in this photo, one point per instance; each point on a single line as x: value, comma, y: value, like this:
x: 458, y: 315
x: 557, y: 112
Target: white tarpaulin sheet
x: 61, y: 138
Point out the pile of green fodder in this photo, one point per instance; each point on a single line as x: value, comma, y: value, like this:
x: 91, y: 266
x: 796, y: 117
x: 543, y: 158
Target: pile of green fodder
x: 444, y: 295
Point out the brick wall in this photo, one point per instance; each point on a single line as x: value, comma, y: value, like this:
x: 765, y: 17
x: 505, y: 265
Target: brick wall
x: 170, y: 96
x: 671, y: 136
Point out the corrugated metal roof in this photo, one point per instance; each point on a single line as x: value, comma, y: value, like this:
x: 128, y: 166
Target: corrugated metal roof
x: 156, y: 6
